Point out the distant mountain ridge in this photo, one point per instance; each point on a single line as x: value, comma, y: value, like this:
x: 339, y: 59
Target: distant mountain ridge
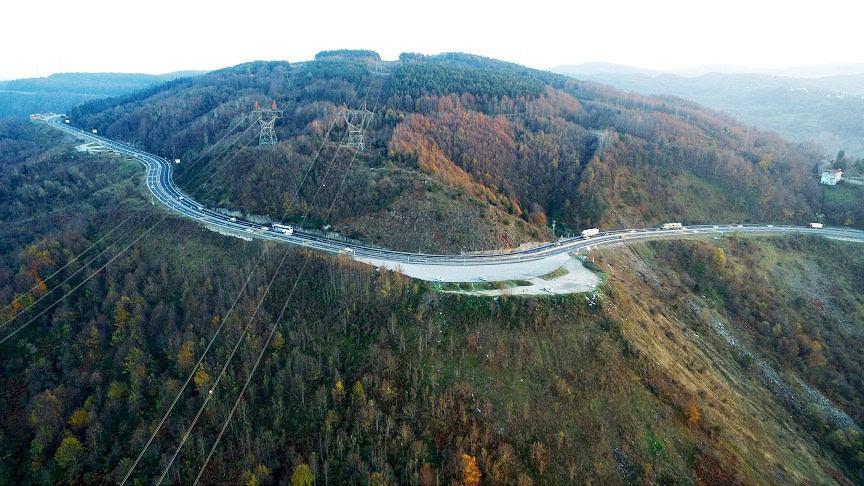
x: 804, y: 72
x: 825, y: 110
x: 59, y: 92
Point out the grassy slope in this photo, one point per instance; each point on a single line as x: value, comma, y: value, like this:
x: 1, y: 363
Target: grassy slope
x: 676, y: 293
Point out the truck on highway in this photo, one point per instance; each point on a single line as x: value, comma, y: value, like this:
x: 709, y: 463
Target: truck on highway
x: 588, y: 233
x: 283, y: 228
x: 816, y: 225
x: 671, y: 226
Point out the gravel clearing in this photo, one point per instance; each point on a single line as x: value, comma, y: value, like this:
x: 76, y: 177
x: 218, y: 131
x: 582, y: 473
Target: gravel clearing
x: 577, y: 279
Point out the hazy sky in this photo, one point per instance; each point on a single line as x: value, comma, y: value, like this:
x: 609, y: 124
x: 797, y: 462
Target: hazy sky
x: 39, y: 37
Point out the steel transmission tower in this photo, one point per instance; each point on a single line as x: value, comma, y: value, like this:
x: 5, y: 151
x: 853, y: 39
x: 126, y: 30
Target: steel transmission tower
x: 266, y: 118
x: 357, y: 121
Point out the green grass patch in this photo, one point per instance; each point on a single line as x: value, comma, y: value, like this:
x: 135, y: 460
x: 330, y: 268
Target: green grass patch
x: 843, y: 194
x: 560, y: 272
x: 475, y: 286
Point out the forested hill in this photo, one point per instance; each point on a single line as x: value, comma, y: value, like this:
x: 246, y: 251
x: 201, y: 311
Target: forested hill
x: 59, y: 92
x: 463, y: 152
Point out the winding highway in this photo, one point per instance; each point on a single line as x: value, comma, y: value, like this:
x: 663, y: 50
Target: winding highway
x: 161, y: 186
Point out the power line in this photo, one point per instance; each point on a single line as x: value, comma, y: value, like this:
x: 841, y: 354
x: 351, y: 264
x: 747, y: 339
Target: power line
x: 209, y: 345
x: 266, y: 119
x: 279, y: 318
x: 245, y: 331
x: 213, y: 338
x: 16, y: 331
x: 76, y: 272
x: 201, y: 359
x: 73, y: 260
x: 116, y: 226
x: 85, y: 280
x: 188, y: 432
x: 194, y: 369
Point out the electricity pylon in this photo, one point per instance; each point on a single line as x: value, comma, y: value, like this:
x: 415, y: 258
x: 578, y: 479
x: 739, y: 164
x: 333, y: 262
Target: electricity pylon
x: 267, y: 119
x: 357, y: 121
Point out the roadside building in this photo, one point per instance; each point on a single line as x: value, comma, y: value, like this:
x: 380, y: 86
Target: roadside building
x: 831, y: 177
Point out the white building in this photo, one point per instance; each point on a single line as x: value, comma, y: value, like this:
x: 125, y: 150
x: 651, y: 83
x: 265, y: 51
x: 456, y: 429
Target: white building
x: 831, y: 177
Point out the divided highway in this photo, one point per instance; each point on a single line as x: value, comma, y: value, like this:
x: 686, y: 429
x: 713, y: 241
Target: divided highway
x: 161, y: 186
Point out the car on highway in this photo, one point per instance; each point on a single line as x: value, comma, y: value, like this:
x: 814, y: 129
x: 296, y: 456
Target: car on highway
x: 233, y: 219
x: 482, y: 278
x: 547, y: 289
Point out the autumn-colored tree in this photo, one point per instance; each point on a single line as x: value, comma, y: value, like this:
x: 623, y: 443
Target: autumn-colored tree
x: 69, y: 453
x: 538, y: 455
x: 358, y: 394
x: 537, y: 216
x: 78, y: 418
x: 427, y: 475
x: 338, y: 391
x: 470, y: 472
x: 816, y: 358
x: 202, y: 379
x: 302, y: 476
x: 278, y: 341
x: 693, y: 413
x: 186, y: 356
x: 377, y: 479
x: 719, y: 257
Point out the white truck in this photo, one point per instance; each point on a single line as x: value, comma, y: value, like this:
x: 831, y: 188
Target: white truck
x: 671, y: 226
x: 588, y: 233
x: 815, y: 225
x: 283, y: 228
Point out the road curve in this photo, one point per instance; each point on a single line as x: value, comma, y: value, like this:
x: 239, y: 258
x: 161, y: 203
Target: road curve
x: 161, y: 186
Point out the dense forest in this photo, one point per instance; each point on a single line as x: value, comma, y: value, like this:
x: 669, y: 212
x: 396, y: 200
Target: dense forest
x: 60, y: 92
x: 463, y: 152
x: 371, y: 378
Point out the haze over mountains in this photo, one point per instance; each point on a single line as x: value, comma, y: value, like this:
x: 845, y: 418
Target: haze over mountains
x: 821, y: 104
x: 59, y: 92
x: 723, y: 360
x: 806, y: 72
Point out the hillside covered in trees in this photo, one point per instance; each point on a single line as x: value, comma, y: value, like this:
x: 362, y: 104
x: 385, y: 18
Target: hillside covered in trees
x: 371, y: 378
x: 822, y: 110
x: 463, y: 152
x: 60, y: 92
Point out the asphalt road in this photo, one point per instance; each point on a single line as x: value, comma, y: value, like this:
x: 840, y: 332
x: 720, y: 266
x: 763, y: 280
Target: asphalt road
x: 161, y: 186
